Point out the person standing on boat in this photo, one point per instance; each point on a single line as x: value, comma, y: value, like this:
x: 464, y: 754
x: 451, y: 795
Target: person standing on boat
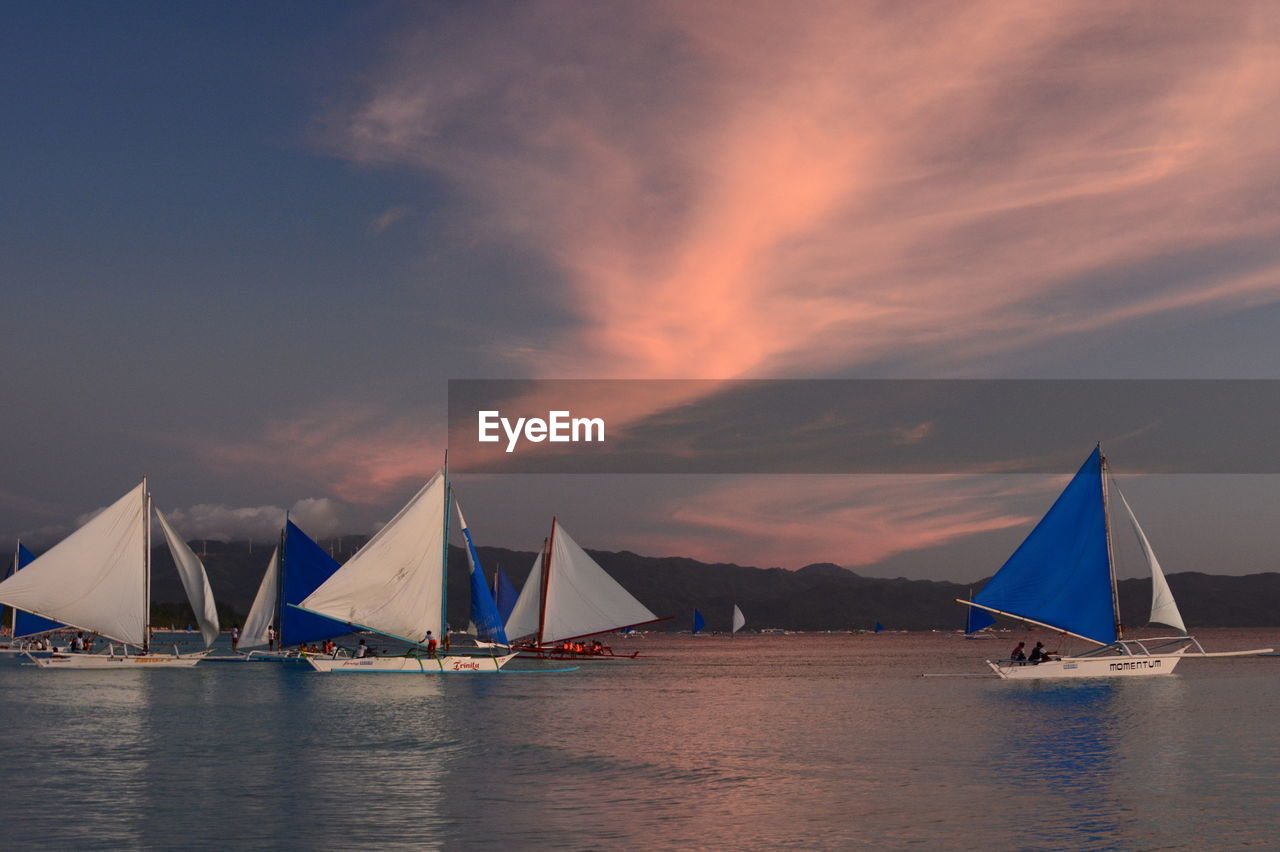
x: 1019, y: 654
x: 235, y: 636
x: 271, y: 637
x: 431, y: 645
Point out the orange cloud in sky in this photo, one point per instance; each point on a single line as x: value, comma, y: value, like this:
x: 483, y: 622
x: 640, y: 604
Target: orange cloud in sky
x: 751, y: 190
x: 791, y: 521
x: 361, y: 457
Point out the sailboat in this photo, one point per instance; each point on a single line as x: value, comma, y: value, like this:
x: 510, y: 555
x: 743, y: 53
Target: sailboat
x: 739, y: 620
x: 699, y: 623
x: 976, y: 622
x: 485, y: 618
x: 1062, y: 577
x: 99, y: 579
x: 297, y: 568
x: 395, y: 586
x: 569, y: 596
x: 24, y: 625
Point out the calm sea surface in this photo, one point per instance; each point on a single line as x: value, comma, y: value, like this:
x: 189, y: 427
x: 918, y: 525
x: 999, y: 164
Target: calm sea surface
x: 803, y: 741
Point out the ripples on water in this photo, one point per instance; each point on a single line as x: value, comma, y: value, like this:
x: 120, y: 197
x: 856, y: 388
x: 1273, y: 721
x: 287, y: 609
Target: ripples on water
x: 756, y: 742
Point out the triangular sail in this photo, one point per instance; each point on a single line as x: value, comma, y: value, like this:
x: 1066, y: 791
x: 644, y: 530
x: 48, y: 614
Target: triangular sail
x: 484, y: 613
x: 977, y: 619
x: 1164, y: 609
x: 739, y: 621
x: 304, y: 566
x: 26, y: 623
x: 194, y: 580
x: 523, y: 620
x: 698, y: 622
x: 263, y: 612
x: 581, y: 598
x: 94, y: 579
x: 505, y: 595
x: 395, y: 583
x: 1060, y: 576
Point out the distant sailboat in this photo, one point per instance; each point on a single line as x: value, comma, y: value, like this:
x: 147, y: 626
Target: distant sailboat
x: 99, y: 579
x: 698, y: 622
x: 976, y: 622
x: 297, y: 568
x: 1063, y: 577
x: 569, y: 596
x: 395, y: 585
x: 504, y: 594
x: 739, y: 621
x: 25, y: 624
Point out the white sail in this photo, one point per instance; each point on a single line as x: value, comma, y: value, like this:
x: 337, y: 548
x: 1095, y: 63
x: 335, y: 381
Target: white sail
x: 739, y: 621
x: 263, y: 612
x: 523, y: 620
x: 194, y: 580
x: 581, y: 598
x: 395, y: 583
x: 96, y: 578
x: 1164, y: 609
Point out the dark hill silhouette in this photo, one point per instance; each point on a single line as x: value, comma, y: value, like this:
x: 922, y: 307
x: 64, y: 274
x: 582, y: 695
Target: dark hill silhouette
x: 816, y: 597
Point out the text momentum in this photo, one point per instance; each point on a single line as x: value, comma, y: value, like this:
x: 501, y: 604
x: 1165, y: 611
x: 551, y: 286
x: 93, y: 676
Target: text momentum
x: 559, y: 427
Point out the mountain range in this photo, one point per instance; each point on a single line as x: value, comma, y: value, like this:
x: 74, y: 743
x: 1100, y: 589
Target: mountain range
x: 816, y: 597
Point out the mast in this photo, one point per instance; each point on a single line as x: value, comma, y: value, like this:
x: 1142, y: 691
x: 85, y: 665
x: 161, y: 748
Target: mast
x: 13, y: 612
x: 1111, y: 561
x: 546, y: 575
x: 146, y: 594
x: 279, y: 587
x: 444, y: 563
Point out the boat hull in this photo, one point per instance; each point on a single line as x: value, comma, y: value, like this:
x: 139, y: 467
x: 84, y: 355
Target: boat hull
x: 107, y: 662
x: 1088, y: 667
x: 411, y: 665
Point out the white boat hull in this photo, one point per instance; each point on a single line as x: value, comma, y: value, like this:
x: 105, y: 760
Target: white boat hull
x: 1080, y: 667
x: 100, y: 662
x: 411, y: 665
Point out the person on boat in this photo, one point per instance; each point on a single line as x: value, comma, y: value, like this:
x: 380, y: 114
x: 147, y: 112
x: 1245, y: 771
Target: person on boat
x: 361, y: 650
x: 1019, y: 654
x: 88, y: 644
x: 444, y: 643
x: 271, y: 637
x: 1040, y: 654
x: 77, y: 644
x: 431, y: 645
x: 235, y: 636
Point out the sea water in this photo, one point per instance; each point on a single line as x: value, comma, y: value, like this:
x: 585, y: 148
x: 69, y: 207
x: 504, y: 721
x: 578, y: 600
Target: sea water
x: 753, y: 742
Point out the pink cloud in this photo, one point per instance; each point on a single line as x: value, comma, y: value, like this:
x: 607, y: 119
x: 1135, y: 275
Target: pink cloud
x: 751, y: 190
x: 360, y: 457
x: 791, y: 521
x: 743, y: 190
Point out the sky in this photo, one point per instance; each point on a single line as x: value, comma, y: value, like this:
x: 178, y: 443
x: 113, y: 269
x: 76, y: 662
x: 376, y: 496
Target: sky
x: 245, y: 246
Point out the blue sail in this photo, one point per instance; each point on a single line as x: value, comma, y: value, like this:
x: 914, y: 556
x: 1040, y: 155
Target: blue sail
x: 698, y: 622
x: 303, y: 567
x: 977, y: 619
x: 26, y: 623
x: 507, y: 595
x: 1061, y: 574
x: 484, y: 612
